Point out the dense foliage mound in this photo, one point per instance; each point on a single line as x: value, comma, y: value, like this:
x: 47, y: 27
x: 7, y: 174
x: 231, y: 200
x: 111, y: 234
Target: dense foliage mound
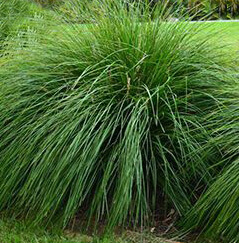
x: 113, y: 120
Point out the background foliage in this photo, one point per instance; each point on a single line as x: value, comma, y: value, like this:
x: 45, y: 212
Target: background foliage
x: 209, y: 9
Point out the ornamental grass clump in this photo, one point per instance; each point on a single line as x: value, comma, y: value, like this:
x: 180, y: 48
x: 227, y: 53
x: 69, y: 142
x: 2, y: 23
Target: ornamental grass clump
x: 110, y: 120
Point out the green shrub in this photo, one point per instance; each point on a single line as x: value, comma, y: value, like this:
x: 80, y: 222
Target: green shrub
x: 207, y: 9
x: 110, y: 119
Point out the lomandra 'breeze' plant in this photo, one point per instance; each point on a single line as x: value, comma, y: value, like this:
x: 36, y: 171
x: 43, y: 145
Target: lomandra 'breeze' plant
x: 111, y: 120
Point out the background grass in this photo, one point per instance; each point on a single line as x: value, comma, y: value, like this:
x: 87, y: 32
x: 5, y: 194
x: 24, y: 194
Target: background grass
x: 13, y: 231
x: 229, y: 32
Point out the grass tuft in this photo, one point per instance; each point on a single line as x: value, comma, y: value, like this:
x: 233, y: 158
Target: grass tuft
x: 113, y: 120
